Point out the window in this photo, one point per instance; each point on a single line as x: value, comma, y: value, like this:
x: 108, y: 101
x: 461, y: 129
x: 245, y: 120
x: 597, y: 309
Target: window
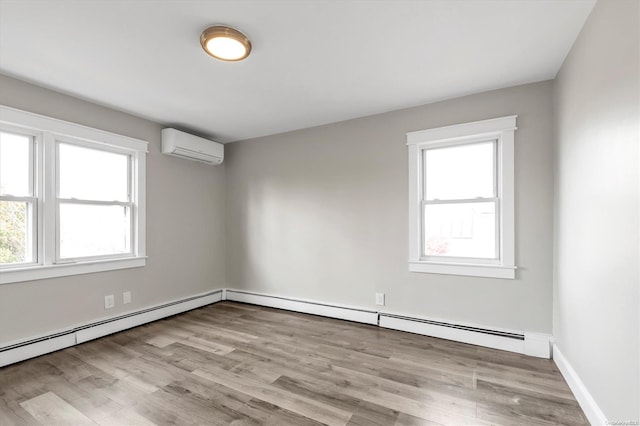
x: 18, y: 202
x: 72, y: 198
x: 94, y: 202
x: 461, y: 186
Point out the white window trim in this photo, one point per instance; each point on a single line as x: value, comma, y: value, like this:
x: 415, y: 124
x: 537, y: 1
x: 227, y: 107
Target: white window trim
x: 47, y: 130
x: 501, y: 129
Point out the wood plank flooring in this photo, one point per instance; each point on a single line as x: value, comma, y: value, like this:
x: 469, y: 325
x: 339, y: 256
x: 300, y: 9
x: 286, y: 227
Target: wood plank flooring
x: 232, y: 363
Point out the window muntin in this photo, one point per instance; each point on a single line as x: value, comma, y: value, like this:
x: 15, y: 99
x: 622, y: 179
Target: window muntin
x: 18, y: 201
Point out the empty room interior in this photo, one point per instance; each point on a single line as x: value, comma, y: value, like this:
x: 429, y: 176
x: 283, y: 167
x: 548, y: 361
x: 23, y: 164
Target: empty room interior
x: 320, y: 212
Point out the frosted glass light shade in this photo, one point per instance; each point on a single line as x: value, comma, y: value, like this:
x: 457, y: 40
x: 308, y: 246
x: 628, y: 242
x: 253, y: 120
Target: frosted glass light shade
x: 225, y: 43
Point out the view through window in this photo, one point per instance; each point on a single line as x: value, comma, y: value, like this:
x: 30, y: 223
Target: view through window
x: 460, y: 201
x: 94, y: 206
x: 17, y: 200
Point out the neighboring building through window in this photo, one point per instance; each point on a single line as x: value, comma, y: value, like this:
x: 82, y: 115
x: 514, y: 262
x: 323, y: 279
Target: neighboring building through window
x: 72, y: 198
x: 461, y: 206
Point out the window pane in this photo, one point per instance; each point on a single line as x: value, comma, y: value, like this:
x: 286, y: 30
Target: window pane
x: 460, y: 230
x: 90, y: 230
x: 15, y: 162
x: 460, y: 172
x: 15, y: 232
x: 91, y: 174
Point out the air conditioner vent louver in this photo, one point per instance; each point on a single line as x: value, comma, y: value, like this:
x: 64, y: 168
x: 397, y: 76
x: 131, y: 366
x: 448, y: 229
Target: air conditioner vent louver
x: 183, y: 145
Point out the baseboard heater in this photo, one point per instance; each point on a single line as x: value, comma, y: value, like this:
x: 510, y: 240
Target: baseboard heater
x: 533, y: 344
x: 510, y: 335
x: 497, y: 339
x: 80, y: 334
x: 348, y: 313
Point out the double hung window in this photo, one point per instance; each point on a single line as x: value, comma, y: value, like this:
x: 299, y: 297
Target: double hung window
x: 71, y: 198
x: 93, y: 203
x: 461, y: 199
x: 18, y: 198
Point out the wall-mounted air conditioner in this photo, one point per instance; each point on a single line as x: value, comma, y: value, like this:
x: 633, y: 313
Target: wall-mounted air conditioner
x: 183, y: 145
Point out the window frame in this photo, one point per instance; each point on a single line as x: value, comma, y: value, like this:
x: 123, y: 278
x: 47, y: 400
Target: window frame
x: 47, y: 133
x: 495, y: 199
x: 79, y: 201
x: 34, y: 200
x: 502, y: 131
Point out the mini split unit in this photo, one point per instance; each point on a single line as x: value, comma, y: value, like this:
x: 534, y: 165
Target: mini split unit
x: 183, y: 145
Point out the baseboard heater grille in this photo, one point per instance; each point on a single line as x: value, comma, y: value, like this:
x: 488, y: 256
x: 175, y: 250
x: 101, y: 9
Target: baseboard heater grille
x: 107, y: 321
x: 509, y: 335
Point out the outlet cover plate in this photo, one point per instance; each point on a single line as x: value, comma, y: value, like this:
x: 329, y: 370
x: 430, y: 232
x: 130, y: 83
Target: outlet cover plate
x: 126, y: 297
x: 109, y: 301
x: 380, y: 299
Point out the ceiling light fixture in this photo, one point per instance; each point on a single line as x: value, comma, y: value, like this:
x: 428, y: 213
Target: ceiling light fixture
x: 225, y: 43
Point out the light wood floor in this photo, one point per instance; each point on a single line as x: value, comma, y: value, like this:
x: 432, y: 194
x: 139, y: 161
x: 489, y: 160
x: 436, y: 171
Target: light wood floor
x: 239, y: 364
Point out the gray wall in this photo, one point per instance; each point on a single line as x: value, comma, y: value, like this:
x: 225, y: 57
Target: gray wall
x: 185, y: 230
x: 321, y: 213
x: 597, y: 279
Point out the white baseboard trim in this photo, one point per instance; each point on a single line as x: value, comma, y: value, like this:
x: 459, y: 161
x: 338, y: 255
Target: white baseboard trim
x: 583, y: 396
x: 533, y: 344
x: 147, y: 315
x: 41, y: 345
x: 349, y: 313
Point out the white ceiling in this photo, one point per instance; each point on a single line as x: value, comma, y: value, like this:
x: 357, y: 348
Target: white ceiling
x: 313, y: 62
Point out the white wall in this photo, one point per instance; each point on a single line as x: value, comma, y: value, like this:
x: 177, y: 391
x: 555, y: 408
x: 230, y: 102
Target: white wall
x: 322, y: 213
x: 596, y: 300
x: 185, y: 230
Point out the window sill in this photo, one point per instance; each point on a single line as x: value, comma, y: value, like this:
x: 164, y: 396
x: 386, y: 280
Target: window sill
x: 471, y: 270
x: 40, y: 272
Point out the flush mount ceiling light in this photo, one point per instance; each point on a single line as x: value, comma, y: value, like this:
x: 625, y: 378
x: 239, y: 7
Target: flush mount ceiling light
x: 225, y: 43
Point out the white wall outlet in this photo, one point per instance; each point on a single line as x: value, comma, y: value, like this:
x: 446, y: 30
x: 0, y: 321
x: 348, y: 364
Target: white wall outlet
x: 109, y: 301
x: 126, y: 297
x: 380, y: 299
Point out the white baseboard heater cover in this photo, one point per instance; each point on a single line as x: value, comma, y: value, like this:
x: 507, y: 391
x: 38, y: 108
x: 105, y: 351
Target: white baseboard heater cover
x: 533, y: 344
x: 60, y: 340
x: 305, y: 306
x: 473, y: 335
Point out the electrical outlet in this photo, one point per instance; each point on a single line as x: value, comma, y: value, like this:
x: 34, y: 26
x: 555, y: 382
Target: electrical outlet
x: 109, y: 301
x: 126, y: 297
x: 380, y: 299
